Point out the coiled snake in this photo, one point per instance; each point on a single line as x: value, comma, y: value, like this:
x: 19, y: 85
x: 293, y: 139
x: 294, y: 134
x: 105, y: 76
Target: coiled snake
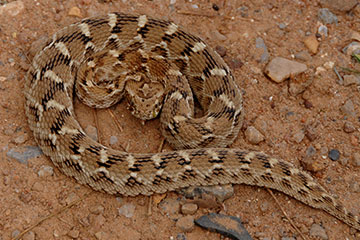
x: 155, y: 65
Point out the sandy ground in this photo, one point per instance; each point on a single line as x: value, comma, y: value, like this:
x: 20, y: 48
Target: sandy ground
x: 31, y: 191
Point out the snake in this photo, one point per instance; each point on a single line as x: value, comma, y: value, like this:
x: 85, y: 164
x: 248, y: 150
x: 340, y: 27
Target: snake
x: 161, y: 71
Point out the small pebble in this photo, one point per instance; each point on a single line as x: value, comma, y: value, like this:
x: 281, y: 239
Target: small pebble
x: 195, y: 6
x: 92, y: 132
x: 170, y: 207
x: 318, y: 231
x: 39, y: 187
x: 298, y: 136
x: 20, y: 139
x: 279, y: 69
x: 244, y: 11
x: 189, y: 208
x: 220, y: 50
x: 235, y: 63
x: 311, y: 133
x: 102, y: 236
x: 323, y: 30
x: 313, y: 165
x: 75, y: 12
x: 71, y: 198
x: 181, y: 236
x: 349, y: 127
x: 99, y: 220
x: 29, y: 236
x: 356, y: 159
x: 97, y: 209
x: 15, y: 233
x: 264, y: 207
x: 185, y: 224
x: 312, y: 44
x: 308, y: 104
x: 26, y: 197
x: 262, y: 49
x: 303, y: 56
x: 324, y: 150
x: 334, y: 154
x: 215, y: 7
x: 46, y: 171
x: 329, y: 65
x: 218, y: 36
x: 354, y: 187
x: 113, y: 140
x: 127, y: 210
x: 253, y: 135
x: 282, y: 26
x: 348, y: 108
x: 351, y: 79
x: 327, y: 17
x: 73, y: 233
x: 310, y: 151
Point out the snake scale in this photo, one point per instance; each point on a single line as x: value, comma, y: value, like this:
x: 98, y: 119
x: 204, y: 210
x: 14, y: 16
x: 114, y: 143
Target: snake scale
x: 155, y: 65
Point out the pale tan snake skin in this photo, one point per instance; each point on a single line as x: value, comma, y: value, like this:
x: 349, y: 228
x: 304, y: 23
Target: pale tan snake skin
x: 155, y: 65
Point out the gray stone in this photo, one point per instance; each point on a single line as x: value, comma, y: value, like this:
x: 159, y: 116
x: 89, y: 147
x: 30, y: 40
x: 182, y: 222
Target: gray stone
x: 318, y: 231
x: 127, y: 210
x: 280, y: 69
x: 260, y: 44
x: 323, y: 30
x: 327, y: 17
x: 282, y: 26
x: 244, y: 11
x: 113, y: 140
x: 334, y: 154
x: 23, y: 154
x: 310, y: 151
x: 180, y: 236
x: 228, y: 226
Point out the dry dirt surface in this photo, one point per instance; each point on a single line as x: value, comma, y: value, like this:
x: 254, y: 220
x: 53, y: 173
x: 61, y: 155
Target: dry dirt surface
x: 302, y: 120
